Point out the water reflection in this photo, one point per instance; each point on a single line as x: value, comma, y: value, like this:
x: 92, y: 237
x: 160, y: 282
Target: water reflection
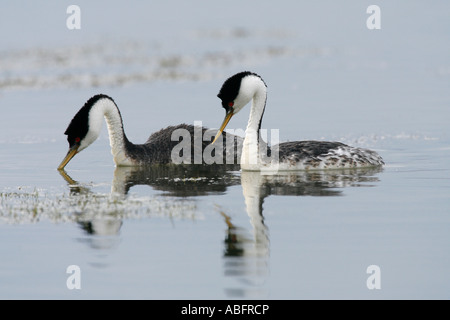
x: 179, y: 180
x: 246, y: 256
x: 246, y: 250
x: 103, y: 228
x: 175, y: 181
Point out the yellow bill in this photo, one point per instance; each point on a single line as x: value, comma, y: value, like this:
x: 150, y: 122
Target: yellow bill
x: 224, y: 124
x: 72, y: 152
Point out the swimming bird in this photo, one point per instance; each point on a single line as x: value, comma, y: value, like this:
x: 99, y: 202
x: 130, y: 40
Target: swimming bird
x: 241, y: 88
x: 86, y: 125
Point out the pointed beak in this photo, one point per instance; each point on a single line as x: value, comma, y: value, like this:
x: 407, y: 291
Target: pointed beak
x: 224, y: 124
x: 72, y: 152
x: 68, y: 179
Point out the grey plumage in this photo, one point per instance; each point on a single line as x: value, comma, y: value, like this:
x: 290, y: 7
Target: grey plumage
x: 159, y: 146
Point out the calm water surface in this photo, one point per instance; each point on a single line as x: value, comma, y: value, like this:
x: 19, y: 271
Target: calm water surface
x: 218, y: 233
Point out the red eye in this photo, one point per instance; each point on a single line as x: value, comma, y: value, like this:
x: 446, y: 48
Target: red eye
x: 230, y: 104
x: 77, y: 140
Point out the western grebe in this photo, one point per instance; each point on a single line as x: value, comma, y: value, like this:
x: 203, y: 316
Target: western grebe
x: 86, y: 125
x: 243, y: 87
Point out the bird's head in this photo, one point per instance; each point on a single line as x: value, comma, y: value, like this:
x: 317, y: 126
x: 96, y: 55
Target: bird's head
x: 236, y: 92
x: 84, y: 128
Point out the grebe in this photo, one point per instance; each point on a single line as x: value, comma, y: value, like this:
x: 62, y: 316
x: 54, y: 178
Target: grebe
x: 246, y: 86
x: 86, y: 125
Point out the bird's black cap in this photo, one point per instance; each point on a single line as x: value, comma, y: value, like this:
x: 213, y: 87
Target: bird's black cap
x: 79, y: 126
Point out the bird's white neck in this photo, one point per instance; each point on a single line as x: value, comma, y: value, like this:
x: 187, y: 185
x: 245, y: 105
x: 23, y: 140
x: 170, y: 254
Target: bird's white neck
x: 108, y: 109
x: 251, y: 158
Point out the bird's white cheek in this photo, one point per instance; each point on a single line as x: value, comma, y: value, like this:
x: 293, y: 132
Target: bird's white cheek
x: 240, y: 103
x: 237, y: 108
x: 95, y: 127
x: 243, y: 98
x: 91, y: 136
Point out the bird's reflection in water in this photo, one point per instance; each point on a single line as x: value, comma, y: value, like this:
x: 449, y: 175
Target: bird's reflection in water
x: 246, y: 258
x: 246, y: 251
x: 181, y: 181
x: 177, y: 180
x: 246, y: 254
x: 103, y: 229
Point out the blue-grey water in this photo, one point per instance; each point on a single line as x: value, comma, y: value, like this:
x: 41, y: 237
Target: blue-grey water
x: 190, y: 233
